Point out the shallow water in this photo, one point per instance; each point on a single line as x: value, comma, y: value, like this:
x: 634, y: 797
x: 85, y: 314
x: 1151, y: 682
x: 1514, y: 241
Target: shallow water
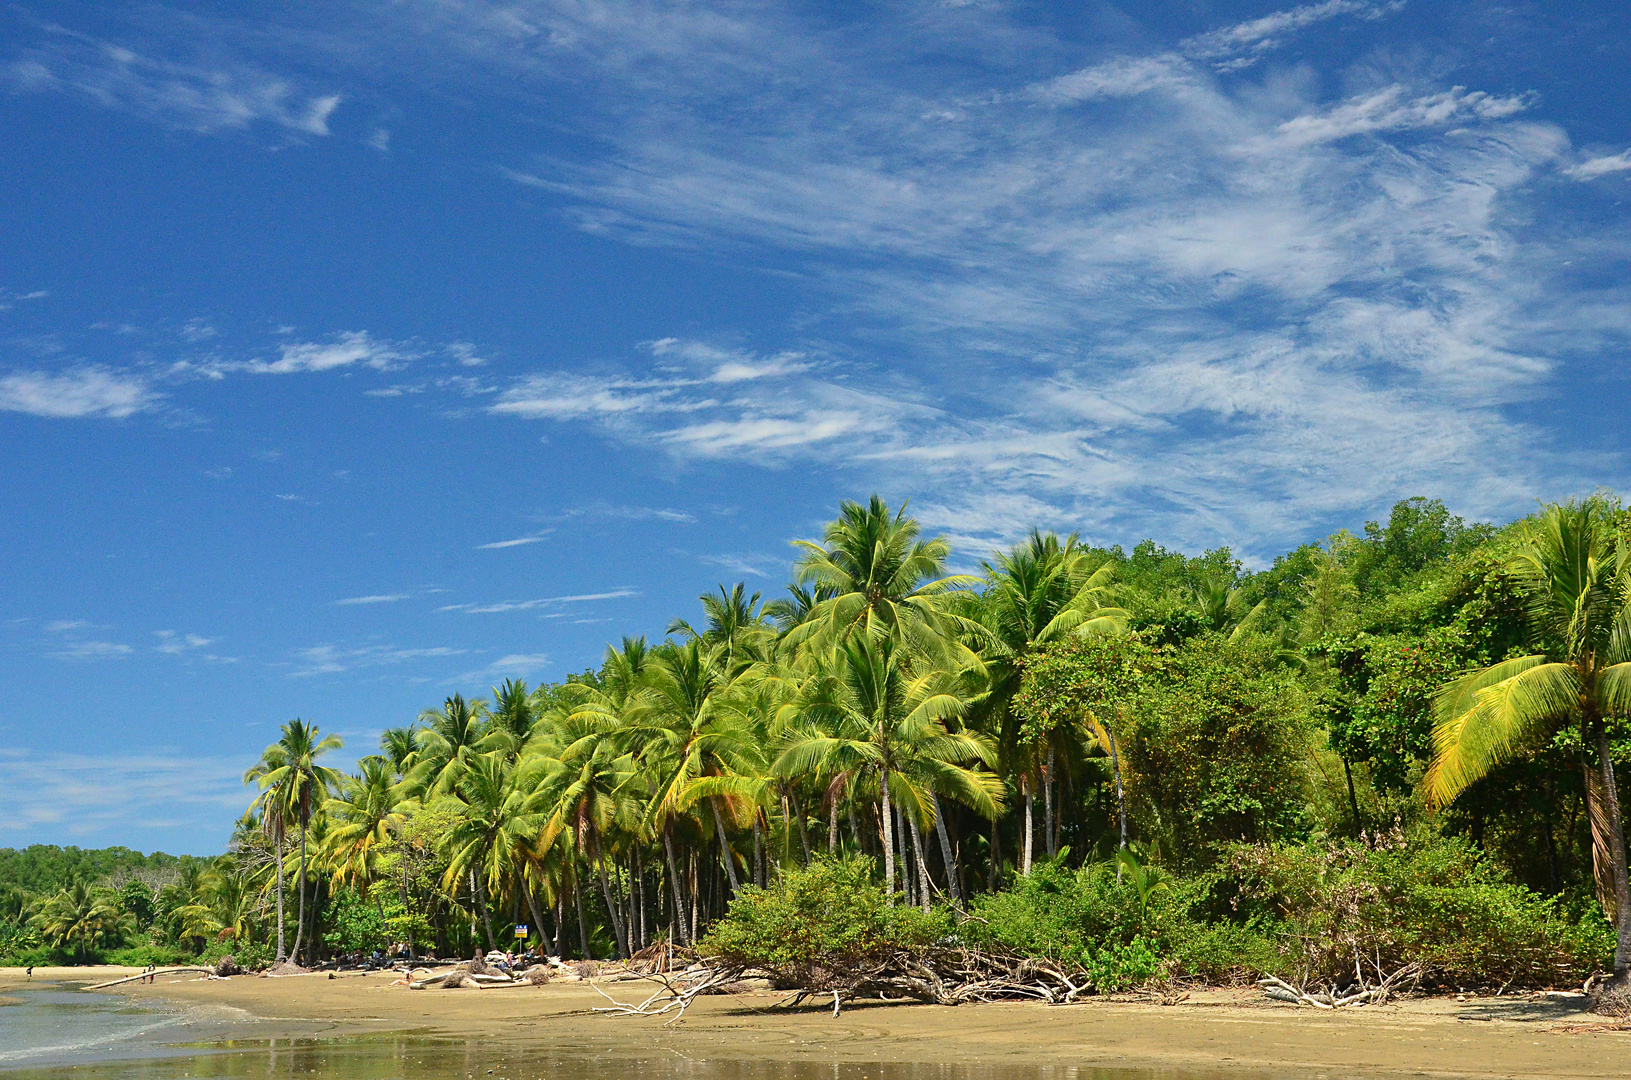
x: 51, y: 1032
x: 46, y: 1022
x: 401, y: 1057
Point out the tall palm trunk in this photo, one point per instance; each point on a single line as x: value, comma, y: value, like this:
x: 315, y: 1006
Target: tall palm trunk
x: 832, y: 827
x: 1616, y: 837
x: 888, y: 837
x: 536, y: 912
x: 675, y: 884
x: 481, y: 906
x: 947, y: 859
x: 281, y: 954
x: 1047, y: 806
x: 300, y: 919
x: 619, y: 934
x: 583, y: 921
x: 1121, y: 793
x: 1030, y: 821
x: 725, y: 849
x: 804, y: 834
x: 922, y: 869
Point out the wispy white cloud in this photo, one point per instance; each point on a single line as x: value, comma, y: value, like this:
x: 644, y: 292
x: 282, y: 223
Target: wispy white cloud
x: 383, y: 598
x: 503, y: 606
x: 87, y: 392
x: 511, y: 666
x: 748, y: 564
x: 519, y: 541
x: 1237, y: 46
x: 89, y: 649
x: 175, y: 644
x: 334, y: 660
x: 71, y: 639
x: 1211, y: 311
x: 201, y: 97
x: 1593, y: 167
x: 1389, y: 109
x: 347, y: 349
x: 97, y: 794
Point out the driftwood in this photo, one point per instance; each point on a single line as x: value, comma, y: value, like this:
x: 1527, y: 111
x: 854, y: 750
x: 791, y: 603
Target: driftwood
x: 463, y: 976
x: 154, y: 974
x: 1374, y: 989
x: 941, y: 976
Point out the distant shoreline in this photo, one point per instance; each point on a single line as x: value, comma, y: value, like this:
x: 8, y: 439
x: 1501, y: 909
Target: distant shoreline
x: 1235, y: 1031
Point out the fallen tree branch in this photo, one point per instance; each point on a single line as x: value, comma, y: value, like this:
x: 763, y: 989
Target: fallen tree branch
x: 154, y: 974
x: 1352, y: 994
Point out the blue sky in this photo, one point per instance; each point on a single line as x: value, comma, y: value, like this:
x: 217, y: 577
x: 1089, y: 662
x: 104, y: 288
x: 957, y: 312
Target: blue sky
x: 356, y: 353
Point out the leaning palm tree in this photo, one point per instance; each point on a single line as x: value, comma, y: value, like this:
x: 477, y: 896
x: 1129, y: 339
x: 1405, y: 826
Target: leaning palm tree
x: 1575, y: 576
x: 699, y: 752
x: 292, y: 787
x: 585, y: 793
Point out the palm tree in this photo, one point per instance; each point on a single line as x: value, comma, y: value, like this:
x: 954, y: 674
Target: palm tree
x: 369, y: 807
x: 698, y: 751
x: 82, y: 917
x: 292, y: 787
x: 883, y: 578
x: 867, y: 714
x: 1040, y: 591
x: 510, y: 719
x: 498, y: 821
x: 734, y: 622
x: 585, y: 793
x: 451, y: 737
x: 1575, y: 576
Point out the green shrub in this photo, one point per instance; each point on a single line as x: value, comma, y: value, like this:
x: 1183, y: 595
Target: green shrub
x: 143, y: 955
x: 1432, y: 899
x: 1119, y: 967
x: 819, y: 921
x: 250, y: 955
x: 354, y: 923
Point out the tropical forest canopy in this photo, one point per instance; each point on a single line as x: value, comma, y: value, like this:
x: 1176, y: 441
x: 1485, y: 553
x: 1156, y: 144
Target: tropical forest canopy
x: 1140, y: 761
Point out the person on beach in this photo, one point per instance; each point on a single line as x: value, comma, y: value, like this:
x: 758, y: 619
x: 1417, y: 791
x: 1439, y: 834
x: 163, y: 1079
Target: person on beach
x: 31, y: 971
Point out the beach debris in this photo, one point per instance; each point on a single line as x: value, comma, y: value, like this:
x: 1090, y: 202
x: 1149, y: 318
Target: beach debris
x: 941, y: 976
x: 537, y: 975
x: 1374, y: 989
x: 228, y: 965
x: 154, y: 974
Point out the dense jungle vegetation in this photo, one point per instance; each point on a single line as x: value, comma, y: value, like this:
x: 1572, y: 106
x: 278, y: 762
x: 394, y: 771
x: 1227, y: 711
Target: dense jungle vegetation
x: 1399, y: 743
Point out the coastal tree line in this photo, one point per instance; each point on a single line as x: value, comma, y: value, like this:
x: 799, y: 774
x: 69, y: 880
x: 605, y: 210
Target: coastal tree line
x: 1071, y: 718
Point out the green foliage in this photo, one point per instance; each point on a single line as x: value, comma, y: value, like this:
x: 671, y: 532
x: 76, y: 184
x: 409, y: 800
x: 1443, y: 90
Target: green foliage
x: 1433, y: 900
x: 1213, y: 735
x: 143, y: 955
x: 354, y: 923
x: 46, y: 868
x: 828, y: 917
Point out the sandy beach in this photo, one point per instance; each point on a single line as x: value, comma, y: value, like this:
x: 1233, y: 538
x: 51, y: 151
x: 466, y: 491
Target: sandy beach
x: 1215, y: 1031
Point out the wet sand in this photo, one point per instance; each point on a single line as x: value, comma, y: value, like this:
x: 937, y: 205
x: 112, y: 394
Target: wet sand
x: 1212, y: 1031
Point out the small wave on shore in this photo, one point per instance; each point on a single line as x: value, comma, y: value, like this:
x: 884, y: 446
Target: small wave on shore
x: 52, y: 1023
